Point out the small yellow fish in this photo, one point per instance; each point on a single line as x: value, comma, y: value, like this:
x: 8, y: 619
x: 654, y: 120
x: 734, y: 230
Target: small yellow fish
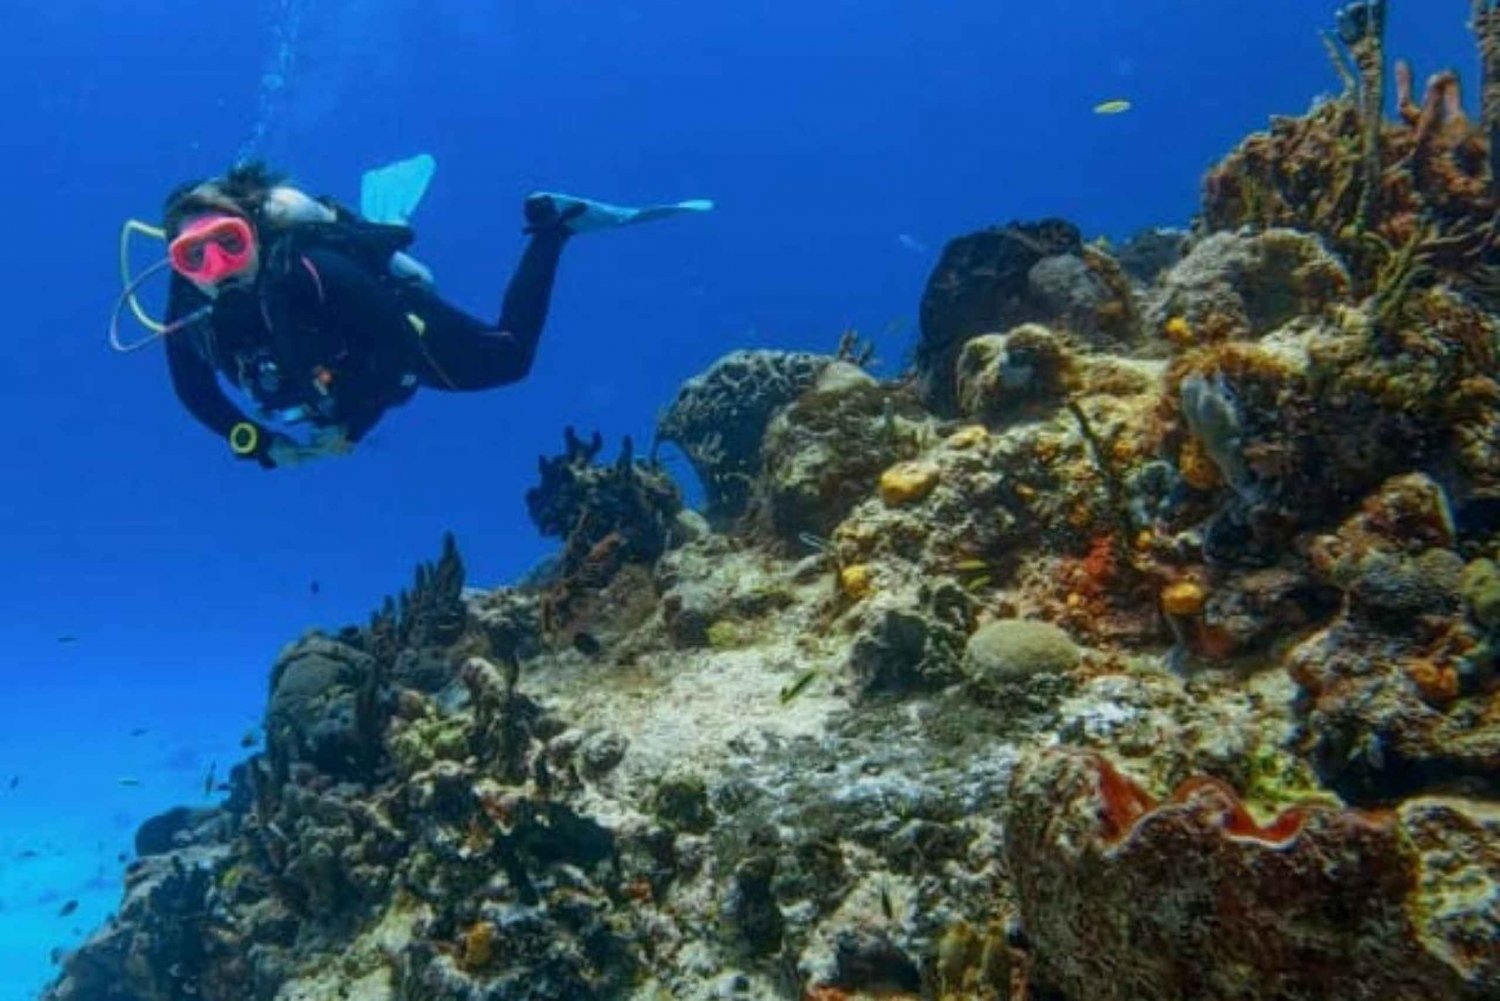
x: 793, y: 690
x: 1116, y: 107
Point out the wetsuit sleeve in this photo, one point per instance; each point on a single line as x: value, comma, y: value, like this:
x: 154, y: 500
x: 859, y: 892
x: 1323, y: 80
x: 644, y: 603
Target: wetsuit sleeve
x: 197, y: 386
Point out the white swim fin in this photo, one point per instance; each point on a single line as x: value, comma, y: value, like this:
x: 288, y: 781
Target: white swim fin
x: 391, y: 194
x: 582, y: 215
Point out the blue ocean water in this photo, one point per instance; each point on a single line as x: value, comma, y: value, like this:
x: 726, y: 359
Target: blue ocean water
x: 150, y: 579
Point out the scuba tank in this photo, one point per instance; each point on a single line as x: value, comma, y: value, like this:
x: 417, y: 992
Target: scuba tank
x: 286, y: 208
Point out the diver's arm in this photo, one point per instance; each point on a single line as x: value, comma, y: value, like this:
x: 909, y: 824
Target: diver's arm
x: 193, y: 376
x: 197, y: 386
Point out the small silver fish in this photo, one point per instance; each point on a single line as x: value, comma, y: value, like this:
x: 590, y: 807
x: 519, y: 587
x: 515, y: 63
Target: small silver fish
x: 912, y: 243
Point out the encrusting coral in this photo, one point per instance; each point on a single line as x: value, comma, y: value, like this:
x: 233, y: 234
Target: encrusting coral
x: 1143, y: 641
x: 1120, y: 893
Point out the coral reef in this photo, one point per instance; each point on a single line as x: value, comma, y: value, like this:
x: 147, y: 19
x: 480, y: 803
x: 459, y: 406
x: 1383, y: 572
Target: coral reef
x: 1245, y: 285
x: 1405, y: 204
x: 1399, y: 700
x: 1017, y: 648
x: 1142, y: 642
x: 585, y: 504
x: 1005, y: 276
x: 1120, y: 893
x: 611, y: 518
x: 822, y: 451
x: 998, y: 375
x: 720, y: 417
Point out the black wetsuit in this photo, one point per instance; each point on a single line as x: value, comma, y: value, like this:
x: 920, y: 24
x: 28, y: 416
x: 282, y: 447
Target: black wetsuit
x: 327, y: 332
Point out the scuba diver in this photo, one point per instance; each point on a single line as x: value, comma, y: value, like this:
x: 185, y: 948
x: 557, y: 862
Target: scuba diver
x: 318, y: 314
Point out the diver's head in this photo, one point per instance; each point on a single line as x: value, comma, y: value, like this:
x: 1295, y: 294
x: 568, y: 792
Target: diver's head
x: 215, y: 250
x: 212, y: 228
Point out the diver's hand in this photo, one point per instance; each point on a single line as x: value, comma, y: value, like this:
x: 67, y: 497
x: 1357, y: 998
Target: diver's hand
x: 283, y: 453
x: 324, y: 443
x: 332, y: 440
x: 278, y: 451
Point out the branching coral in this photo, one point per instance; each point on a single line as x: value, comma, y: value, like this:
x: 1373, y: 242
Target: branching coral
x: 609, y: 517
x: 579, y: 497
x: 1405, y: 203
x: 1361, y: 27
x: 503, y: 718
x: 1486, y: 27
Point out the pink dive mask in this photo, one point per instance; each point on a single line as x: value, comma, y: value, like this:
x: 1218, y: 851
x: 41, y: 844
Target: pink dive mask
x: 213, y: 248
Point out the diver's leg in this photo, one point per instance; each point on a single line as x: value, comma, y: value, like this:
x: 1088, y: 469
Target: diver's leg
x: 461, y: 354
x: 457, y: 352
x: 523, y: 311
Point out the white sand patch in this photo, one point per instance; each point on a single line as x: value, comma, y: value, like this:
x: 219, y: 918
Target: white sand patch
x: 696, y: 709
